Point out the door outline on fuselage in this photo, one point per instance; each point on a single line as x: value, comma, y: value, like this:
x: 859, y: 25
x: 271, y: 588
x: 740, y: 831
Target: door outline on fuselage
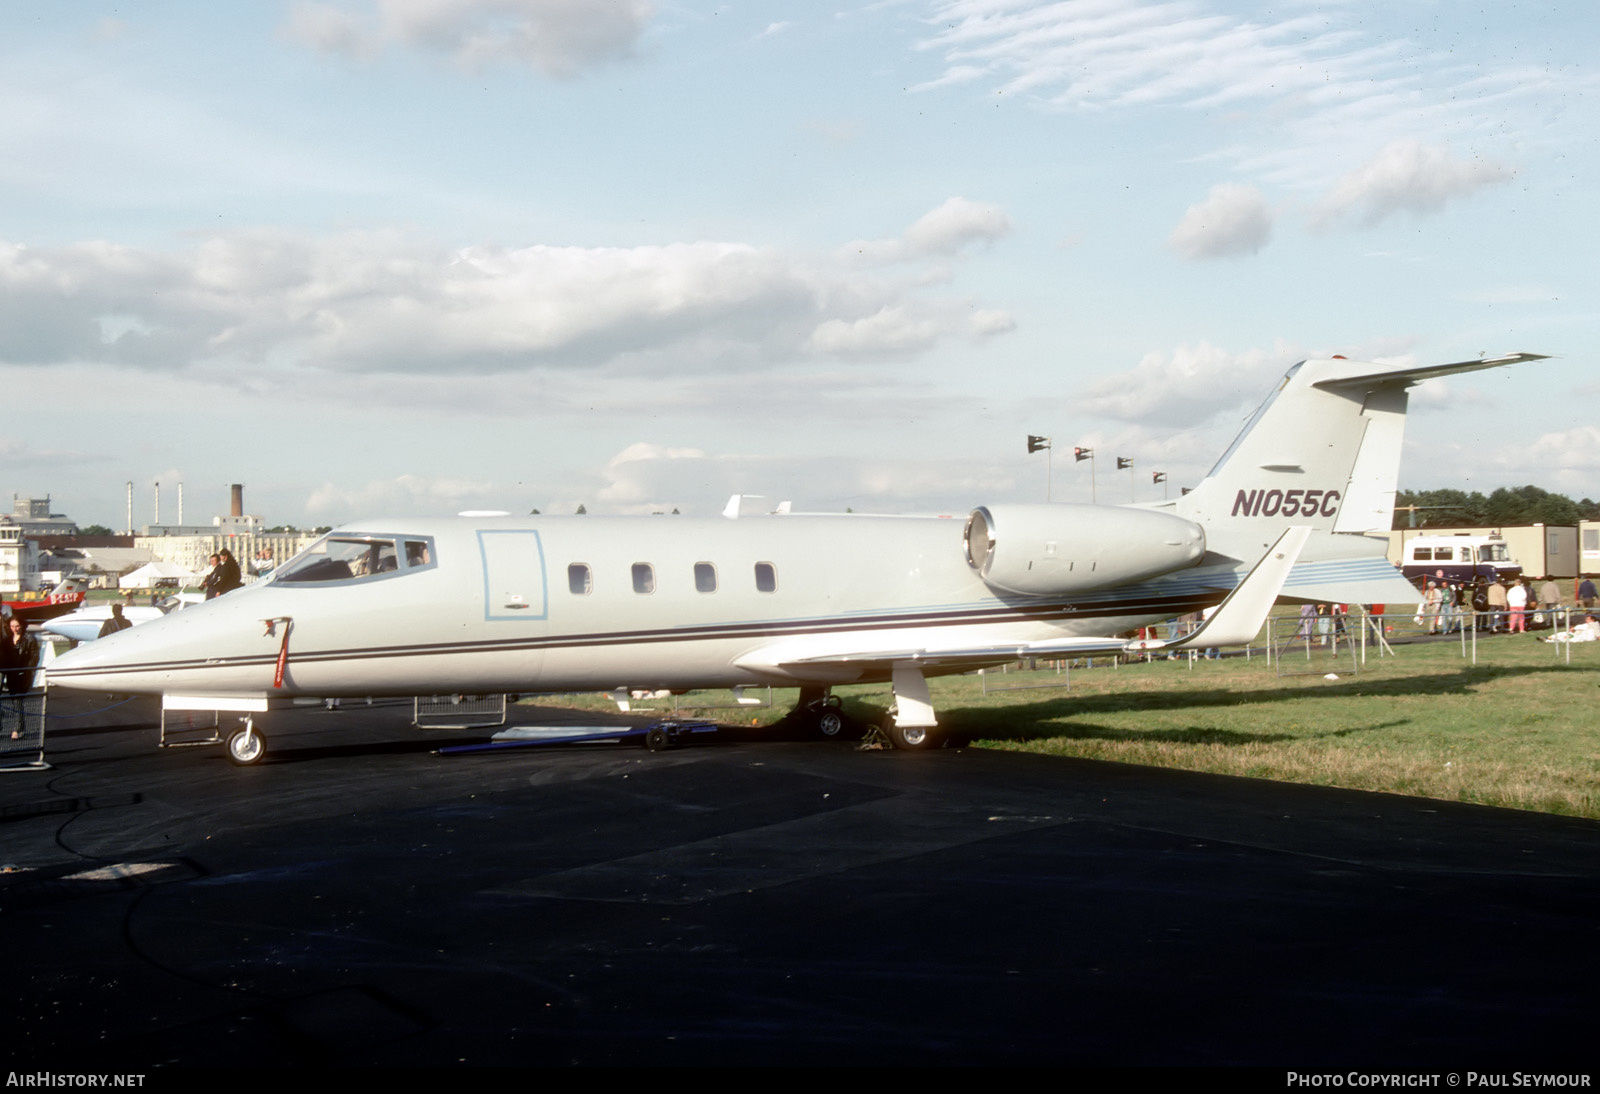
x: 506, y: 562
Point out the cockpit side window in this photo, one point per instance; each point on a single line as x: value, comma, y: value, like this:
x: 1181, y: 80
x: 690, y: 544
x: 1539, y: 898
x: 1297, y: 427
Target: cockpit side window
x: 357, y: 558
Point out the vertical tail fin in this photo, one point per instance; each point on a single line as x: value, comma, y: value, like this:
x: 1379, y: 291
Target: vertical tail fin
x: 1323, y: 450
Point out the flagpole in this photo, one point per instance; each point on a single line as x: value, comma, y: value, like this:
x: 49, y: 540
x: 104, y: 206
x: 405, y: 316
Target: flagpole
x: 1080, y: 454
x: 1035, y: 443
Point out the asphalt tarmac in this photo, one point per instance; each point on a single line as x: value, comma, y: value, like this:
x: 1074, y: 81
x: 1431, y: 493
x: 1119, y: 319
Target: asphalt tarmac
x: 357, y: 899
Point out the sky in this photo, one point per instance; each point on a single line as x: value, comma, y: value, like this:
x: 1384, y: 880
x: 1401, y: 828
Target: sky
x: 421, y: 256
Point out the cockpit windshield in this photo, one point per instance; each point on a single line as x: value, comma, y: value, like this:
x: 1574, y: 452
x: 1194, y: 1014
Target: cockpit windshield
x: 355, y: 558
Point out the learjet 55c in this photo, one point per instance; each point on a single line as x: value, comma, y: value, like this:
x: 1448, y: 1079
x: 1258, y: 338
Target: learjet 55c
x: 560, y: 604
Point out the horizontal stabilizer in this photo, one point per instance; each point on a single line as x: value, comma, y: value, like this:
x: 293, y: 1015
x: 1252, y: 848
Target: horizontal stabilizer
x: 1347, y: 581
x: 1353, y: 581
x: 1373, y: 375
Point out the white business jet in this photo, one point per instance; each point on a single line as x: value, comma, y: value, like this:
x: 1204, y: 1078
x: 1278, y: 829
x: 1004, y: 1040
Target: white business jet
x: 485, y: 604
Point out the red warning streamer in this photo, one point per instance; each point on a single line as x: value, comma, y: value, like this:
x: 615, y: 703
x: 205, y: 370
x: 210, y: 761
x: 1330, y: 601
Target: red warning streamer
x: 283, y: 656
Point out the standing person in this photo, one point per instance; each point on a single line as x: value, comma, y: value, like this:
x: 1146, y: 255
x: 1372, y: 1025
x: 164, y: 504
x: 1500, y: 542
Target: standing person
x: 228, y: 569
x: 1447, y: 607
x: 1308, y: 620
x: 1549, y: 594
x: 1549, y: 601
x: 209, y: 585
x: 1517, y: 601
x: 117, y: 622
x: 8, y: 656
x: 1430, y: 607
x: 19, y: 655
x: 23, y: 658
x: 1497, y: 605
x: 1586, y: 593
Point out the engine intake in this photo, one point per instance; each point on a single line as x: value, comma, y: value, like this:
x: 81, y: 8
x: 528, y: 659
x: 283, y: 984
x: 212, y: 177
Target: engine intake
x: 1048, y: 550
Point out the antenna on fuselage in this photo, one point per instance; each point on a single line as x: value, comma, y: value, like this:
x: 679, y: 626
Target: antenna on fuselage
x: 731, y: 510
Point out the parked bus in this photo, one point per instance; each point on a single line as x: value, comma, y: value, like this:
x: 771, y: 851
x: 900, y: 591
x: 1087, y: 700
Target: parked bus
x: 1463, y: 558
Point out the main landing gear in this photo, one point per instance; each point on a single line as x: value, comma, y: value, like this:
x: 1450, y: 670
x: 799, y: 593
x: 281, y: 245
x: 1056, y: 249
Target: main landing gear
x: 910, y: 723
x: 246, y: 745
x: 820, y: 713
x: 908, y: 738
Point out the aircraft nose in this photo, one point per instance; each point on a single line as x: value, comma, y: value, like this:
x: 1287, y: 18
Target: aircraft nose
x: 87, y: 667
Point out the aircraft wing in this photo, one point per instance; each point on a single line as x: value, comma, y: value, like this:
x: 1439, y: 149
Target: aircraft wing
x: 1237, y: 620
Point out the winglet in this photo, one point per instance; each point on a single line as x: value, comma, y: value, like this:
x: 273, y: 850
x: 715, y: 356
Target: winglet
x: 1239, y: 618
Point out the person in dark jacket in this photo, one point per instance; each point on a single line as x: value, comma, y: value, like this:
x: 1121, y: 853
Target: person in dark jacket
x: 21, y: 656
x: 117, y: 622
x: 228, y: 578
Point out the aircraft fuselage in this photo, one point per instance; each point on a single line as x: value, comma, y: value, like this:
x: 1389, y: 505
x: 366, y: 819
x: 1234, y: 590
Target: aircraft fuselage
x: 479, y: 605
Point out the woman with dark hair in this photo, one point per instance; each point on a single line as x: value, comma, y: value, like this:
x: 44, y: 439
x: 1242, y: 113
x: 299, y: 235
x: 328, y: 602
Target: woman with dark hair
x: 21, y: 657
x: 227, y: 572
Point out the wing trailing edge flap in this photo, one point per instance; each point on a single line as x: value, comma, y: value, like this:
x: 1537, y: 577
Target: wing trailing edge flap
x: 1236, y: 621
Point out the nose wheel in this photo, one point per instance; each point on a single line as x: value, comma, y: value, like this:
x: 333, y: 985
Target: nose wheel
x: 246, y: 745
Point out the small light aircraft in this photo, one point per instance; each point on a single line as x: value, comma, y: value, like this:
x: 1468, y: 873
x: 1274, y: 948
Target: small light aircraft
x: 84, y: 624
x: 485, y: 604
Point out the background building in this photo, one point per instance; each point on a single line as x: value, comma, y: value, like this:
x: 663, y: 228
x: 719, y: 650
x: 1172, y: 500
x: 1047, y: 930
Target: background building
x: 191, y: 546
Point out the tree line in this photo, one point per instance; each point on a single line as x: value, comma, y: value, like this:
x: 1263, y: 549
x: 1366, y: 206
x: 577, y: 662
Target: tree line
x: 1506, y: 506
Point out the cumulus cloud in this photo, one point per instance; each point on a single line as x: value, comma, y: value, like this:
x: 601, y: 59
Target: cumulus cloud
x: 1406, y: 176
x: 560, y: 38
x: 650, y: 478
x: 1233, y: 220
x: 941, y: 232
x: 383, y: 302
x: 1569, y: 450
x: 1190, y: 385
x: 901, y: 332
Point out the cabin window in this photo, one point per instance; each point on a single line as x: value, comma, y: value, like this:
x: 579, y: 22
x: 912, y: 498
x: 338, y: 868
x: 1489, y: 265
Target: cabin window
x: 1444, y: 554
x: 705, y: 577
x: 644, y: 577
x: 341, y: 558
x: 1422, y: 554
x: 579, y: 579
x: 766, y: 577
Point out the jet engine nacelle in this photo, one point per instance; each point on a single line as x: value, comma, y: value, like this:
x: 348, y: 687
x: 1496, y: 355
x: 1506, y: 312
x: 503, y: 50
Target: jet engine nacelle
x: 1044, y: 550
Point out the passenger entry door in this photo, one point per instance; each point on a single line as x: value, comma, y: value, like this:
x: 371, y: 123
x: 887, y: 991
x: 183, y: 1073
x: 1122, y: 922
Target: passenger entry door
x: 516, y: 598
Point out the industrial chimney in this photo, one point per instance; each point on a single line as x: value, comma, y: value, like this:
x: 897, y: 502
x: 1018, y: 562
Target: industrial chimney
x: 238, y: 500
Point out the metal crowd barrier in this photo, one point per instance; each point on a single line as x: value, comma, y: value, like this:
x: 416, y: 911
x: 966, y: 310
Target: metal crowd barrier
x: 22, y: 718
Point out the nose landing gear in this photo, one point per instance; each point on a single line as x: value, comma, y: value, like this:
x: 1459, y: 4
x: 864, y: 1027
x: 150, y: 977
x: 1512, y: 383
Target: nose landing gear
x: 246, y: 745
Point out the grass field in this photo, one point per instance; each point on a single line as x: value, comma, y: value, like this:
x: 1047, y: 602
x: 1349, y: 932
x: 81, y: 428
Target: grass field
x: 1519, y: 729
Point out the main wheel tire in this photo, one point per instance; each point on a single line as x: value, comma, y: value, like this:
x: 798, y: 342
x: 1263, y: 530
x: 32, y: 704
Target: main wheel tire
x: 246, y: 746
x: 656, y: 739
x: 910, y: 738
x: 831, y: 724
